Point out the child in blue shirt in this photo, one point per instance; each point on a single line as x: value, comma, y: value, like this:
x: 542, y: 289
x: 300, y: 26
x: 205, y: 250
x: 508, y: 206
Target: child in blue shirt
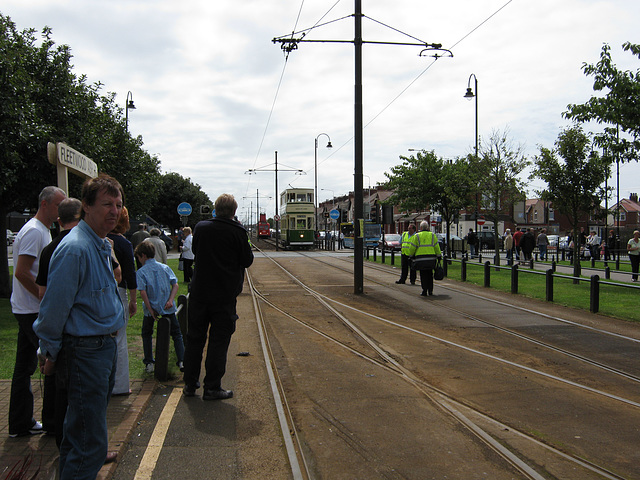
x: 158, y: 286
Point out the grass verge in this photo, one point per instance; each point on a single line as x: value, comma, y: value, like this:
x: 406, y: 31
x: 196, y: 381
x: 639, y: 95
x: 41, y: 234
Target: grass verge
x: 615, y: 301
x: 9, y: 334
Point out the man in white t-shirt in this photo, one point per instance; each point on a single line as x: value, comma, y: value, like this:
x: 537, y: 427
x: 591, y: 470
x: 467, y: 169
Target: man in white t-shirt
x: 25, y: 304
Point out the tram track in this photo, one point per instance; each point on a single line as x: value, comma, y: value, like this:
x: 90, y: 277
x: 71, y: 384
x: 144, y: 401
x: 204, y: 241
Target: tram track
x: 528, y: 338
x: 439, y: 397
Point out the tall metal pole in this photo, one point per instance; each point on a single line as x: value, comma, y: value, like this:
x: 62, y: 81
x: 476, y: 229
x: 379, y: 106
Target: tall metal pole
x: 358, y: 241
x: 315, y: 198
x: 277, y: 203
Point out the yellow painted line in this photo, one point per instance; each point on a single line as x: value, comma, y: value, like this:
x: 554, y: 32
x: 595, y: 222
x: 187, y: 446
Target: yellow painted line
x: 151, y: 454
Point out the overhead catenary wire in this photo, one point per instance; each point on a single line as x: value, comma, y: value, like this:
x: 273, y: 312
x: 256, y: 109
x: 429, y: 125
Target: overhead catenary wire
x: 396, y: 97
x: 275, y: 98
x: 410, y: 84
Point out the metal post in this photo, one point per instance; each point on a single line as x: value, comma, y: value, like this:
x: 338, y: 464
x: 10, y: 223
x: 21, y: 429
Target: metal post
x: 487, y: 274
x: 463, y: 269
x: 358, y: 262
x: 549, y: 277
x: 161, y: 371
x: 514, y: 278
x: 594, y: 297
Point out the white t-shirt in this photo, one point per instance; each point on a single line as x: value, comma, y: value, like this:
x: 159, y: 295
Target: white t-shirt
x: 31, y: 239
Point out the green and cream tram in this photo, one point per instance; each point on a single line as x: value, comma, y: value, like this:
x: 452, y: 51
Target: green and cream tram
x: 297, y: 218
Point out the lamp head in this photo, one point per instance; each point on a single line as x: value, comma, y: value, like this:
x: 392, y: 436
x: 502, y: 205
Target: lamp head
x: 469, y: 95
x: 329, y: 144
x: 130, y: 105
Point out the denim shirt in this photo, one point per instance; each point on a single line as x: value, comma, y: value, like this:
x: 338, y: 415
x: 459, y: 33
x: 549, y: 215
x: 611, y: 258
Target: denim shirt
x: 156, y: 279
x: 82, y: 295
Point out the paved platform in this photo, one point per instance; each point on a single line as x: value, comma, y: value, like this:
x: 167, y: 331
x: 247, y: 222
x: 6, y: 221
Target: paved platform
x: 122, y: 416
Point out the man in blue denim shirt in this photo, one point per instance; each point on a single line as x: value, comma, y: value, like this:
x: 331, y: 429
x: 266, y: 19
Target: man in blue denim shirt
x: 81, y: 312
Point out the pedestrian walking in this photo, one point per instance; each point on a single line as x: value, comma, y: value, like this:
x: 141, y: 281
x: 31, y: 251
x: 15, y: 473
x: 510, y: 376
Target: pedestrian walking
x: 633, y: 249
x: 472, y: 241
x: 425, y: 244
x: 508, y: 246
x: 542, y: 241
x: 517, y: 236
x: 405, y: 260
x: 527, y: 244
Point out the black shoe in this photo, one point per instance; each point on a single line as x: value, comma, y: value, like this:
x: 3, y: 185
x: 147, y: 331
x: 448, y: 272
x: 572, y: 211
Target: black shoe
x: 399, y: 282
x: 217, y: 394
x: 424, y: 294
x: 35, y: 429
x: 189, y: 391
x: 430, y: 292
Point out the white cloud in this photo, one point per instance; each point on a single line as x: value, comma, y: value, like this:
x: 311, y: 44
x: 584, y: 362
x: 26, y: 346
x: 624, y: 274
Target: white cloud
x: 204, y: 76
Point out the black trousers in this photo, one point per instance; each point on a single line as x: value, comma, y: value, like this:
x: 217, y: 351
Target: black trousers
x: 21, y: 399
x: 217, y: 321
x: 635, y: 263
x: 188, y: 269
x: 426, y: 279
x: 405, y: 265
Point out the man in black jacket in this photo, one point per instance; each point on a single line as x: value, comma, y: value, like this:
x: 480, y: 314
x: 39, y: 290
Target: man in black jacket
x: 222, y: 252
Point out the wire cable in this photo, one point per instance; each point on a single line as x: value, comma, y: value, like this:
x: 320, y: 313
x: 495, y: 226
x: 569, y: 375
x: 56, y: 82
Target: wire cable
x: 404, y: 90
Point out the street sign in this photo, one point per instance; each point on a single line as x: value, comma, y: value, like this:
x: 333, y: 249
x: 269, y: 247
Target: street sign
x: 277, y: 218
x: 481, y: 221
x: 184, y: 209
x: 334, y: 214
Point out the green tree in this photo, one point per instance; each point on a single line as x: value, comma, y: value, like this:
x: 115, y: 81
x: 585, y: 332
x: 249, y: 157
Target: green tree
x: 497, y: 172
x: 574, y: 181
x: 426, y: 180
x: 618, y: 108
x: 41, y: 101
x: 175, y: 189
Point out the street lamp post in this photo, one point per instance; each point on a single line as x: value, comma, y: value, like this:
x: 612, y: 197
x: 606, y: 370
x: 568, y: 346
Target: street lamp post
x: 128, y: 106
x: 315, y: 173
x: 469, y: 95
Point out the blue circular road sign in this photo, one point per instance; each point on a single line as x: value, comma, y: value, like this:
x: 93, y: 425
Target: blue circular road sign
x: 334, y: 214
x: 184, y: 209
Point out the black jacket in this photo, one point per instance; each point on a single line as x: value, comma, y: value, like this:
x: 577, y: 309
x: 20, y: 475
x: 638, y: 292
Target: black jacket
x: 222, y: 252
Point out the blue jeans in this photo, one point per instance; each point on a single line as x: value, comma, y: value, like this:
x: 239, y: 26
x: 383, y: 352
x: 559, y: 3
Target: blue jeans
x: 543, y: 251
x: 147, y: 338
x: 91, y: 366
x: 472, y: 249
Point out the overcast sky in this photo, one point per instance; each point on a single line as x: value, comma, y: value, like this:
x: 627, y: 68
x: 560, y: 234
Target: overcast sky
x: 215, y: 97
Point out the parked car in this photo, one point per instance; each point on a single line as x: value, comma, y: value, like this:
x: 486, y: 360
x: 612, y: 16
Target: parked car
x: 553, y: 242
x: 391, y: 242
x: 10, y: 237
x: 487, y: 241
x: 563, y: 243
x: 456, y: 242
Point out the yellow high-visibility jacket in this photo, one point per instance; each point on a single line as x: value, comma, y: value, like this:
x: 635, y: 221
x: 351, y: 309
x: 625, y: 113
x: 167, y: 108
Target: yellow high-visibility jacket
x: 424, y: 243
x: 406, y: 243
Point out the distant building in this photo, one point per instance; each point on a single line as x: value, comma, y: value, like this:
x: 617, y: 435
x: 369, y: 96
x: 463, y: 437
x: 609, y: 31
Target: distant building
x: 629, y: 211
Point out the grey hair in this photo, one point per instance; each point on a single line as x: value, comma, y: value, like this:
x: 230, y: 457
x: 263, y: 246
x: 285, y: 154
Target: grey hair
x: 424, y: 225
x: 47, y: 193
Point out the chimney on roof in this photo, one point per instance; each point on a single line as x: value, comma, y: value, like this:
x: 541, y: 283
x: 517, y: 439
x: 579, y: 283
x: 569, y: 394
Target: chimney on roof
x: 633, y: 197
